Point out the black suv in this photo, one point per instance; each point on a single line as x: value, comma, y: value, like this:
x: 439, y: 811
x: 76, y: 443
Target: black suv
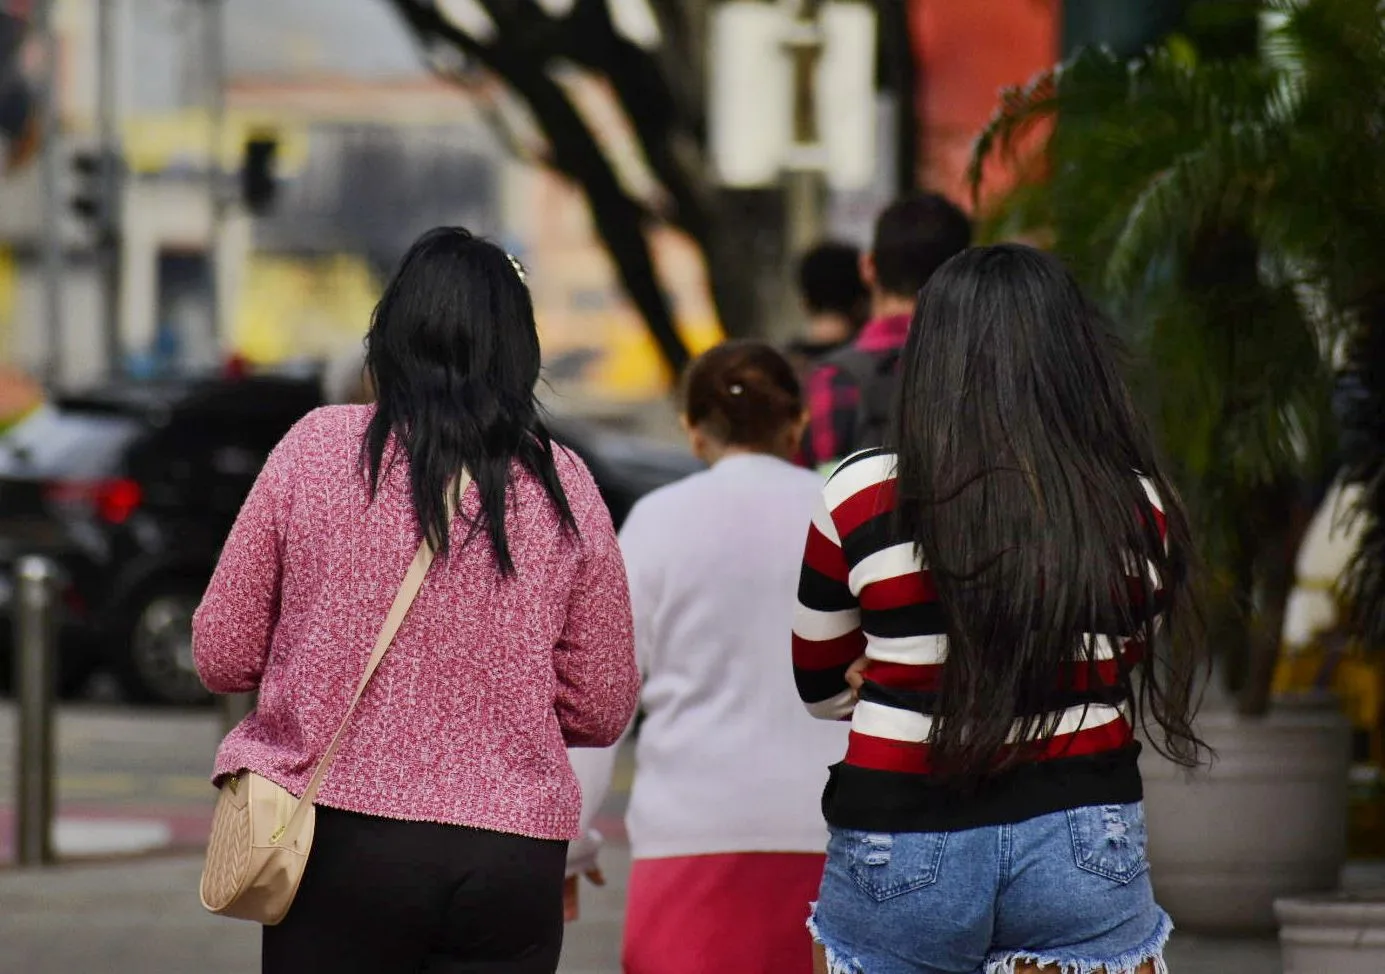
x: 133, y: 488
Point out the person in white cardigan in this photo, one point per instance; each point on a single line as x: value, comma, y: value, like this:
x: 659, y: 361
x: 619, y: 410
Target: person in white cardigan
x: 725, y: 824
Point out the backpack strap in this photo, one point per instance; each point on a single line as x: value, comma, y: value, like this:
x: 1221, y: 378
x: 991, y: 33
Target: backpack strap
x: 875, y: 375
x: 878, y: 401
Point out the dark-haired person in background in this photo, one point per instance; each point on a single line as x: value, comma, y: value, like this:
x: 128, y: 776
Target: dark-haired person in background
x: 836, y: 300
x: 850, y: 394
x: 997, y: 601
x: 725, y: 825
x: 442, y: 827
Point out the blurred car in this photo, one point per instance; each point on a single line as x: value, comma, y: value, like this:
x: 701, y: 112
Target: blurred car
x: 133, y: 488
x: 624, y: 466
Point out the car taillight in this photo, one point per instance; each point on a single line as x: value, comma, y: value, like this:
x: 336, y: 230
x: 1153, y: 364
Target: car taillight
x: 113, y: 501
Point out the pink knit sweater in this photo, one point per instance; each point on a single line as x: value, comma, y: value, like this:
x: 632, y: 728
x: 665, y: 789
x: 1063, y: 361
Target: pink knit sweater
x: 466, y: 720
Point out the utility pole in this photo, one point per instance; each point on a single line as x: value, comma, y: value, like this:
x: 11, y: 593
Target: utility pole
x: 109, y: 222
x: 777, y: 69
x: 804, y: 193
x: 214, y: 57
x: 51, y: 213
x: 235, y: 707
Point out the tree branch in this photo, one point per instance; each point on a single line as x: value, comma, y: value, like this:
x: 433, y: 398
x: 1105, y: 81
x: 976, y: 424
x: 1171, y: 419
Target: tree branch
x: 521, y: 54
x: 669, y: 123
x: 647, y: 99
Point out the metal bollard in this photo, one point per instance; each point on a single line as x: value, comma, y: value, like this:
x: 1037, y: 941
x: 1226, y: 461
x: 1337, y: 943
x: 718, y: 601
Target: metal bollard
x: 36, y: 648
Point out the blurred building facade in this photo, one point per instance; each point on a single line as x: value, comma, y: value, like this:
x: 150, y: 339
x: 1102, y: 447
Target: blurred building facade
x: 373, y: 147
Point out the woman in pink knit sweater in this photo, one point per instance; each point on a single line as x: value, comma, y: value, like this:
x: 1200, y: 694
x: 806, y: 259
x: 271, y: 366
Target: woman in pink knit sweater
x: 443, y: 823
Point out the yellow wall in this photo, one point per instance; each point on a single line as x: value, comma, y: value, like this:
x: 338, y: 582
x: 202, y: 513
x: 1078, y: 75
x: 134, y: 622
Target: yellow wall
x: 289, y: 306
x: 293, y: 306
x: 7, y: 302
x: 315, y: 307
x: 156, y: 143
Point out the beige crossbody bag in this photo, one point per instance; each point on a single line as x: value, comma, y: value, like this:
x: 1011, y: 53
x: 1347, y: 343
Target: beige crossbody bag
x: 261, y: 834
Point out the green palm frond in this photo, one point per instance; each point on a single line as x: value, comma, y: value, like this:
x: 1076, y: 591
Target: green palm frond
x: 1025, y: 211
x: 1120, y: 126
x: 1210, y: 185
x: 1019, y: 112
x: 1231, y: 213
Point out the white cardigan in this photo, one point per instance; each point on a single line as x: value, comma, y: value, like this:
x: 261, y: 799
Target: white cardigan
x: 727, y: 760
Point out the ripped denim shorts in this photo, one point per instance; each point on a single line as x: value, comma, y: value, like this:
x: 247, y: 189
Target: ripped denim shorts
x: 1070, y: 889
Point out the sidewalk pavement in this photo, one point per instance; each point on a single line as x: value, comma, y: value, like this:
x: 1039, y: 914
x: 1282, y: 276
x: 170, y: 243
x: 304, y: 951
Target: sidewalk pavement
x: 141, y: 916
x: 128, y: 780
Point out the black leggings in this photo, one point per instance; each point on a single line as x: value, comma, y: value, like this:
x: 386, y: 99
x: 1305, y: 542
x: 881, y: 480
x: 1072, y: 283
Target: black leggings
x: 383, y: 896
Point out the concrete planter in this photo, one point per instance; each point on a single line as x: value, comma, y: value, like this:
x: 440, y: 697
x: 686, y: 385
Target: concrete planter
x: 1267, y: 820
x: 1339, y: 934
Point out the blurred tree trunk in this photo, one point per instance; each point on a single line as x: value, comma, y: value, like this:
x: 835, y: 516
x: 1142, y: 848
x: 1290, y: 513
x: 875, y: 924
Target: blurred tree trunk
x: 899, y: 75
x: 661, y: 92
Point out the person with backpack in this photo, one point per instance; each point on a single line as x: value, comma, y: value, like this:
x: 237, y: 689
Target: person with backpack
x: 851, y: 392
x: 835, y: 298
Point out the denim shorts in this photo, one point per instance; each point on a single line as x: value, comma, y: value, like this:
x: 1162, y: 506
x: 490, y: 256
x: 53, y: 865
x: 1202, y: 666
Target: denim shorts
x: 1069, y: 890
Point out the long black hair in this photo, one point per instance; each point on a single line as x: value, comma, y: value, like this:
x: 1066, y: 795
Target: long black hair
x: 453, y: 353
x: 1020, y: 463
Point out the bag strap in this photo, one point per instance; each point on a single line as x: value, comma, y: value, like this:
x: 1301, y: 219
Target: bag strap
x: 875, y: 375
x: 403, y: 600
x: 877, y: 401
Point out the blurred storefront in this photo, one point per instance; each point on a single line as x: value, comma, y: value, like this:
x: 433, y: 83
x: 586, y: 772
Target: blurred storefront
x: 968, y: 50
x: 372, y: 147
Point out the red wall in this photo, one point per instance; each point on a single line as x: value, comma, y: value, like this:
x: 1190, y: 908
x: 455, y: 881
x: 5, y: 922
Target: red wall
x: 966, y: 51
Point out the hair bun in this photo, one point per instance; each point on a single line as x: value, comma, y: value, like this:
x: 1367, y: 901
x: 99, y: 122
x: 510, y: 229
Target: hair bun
x: 743, y: 393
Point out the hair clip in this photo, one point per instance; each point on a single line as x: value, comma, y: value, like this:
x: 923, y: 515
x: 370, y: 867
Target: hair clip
x: 519, y: 269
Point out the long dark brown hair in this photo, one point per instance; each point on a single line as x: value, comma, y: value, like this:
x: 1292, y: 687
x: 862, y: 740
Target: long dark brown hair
x: 1021, y: 459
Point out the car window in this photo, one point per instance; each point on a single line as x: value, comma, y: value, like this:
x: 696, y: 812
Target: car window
x: 51, y: 443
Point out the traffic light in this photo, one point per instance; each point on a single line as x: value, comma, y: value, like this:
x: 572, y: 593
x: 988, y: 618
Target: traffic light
x: 88, y: 194
x: 95, y: 189
x: 259, y: 178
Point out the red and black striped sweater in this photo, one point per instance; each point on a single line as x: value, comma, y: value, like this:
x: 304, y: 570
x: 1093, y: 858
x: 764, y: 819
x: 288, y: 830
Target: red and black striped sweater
x: 865, y: 592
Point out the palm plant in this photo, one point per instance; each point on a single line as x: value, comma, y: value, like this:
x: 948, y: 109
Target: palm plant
x: 1231, y: 215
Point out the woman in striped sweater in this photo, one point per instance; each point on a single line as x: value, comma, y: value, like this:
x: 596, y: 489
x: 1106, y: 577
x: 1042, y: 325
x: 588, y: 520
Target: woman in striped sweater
x: 995, y: 603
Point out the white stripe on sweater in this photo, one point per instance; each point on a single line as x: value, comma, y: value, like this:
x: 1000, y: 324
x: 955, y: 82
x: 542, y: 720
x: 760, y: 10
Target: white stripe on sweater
x: 908, y: 650
x: 931, y: 650
x: 849, y: 481
x: 822, y: 520
x: 820, y: 627
x: 833, y: 708
x: 1152, y: 493
x: 910, y: 726
x: 893, y: 562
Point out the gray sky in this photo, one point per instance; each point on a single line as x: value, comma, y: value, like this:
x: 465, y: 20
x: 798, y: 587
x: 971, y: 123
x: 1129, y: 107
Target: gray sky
x: 265, y: 39
x: 360, y: 38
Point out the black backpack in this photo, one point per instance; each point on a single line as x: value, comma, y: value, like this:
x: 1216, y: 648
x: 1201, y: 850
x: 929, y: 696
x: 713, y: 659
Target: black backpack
x: 876, y: 375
